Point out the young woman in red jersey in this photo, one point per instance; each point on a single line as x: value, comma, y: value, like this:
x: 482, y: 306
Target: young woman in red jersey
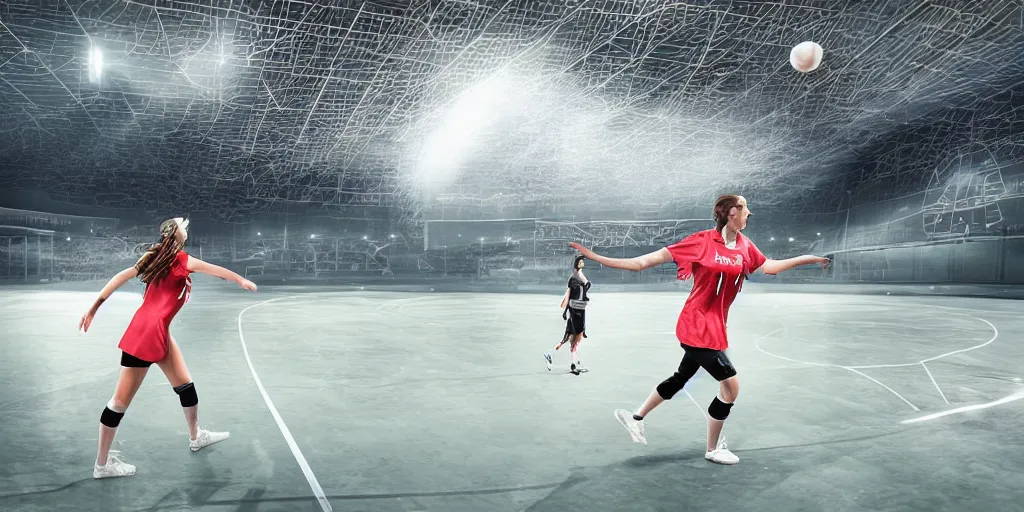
x: 165, y: 269
x: 718, y: 260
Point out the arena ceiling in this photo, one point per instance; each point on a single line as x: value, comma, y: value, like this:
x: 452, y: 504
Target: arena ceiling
x: 233, y: 107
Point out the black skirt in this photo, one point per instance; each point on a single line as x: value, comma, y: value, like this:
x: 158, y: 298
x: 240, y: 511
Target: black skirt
x: 575, y: 323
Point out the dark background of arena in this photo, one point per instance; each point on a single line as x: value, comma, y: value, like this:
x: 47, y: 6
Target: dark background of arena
x: 292, y: 135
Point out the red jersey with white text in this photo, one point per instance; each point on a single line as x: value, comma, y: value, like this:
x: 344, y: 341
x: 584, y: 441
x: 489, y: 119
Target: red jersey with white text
x: 718, y: 273
x: 149, y: 331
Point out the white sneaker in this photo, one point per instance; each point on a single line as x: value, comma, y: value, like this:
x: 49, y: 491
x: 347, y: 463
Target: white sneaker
x: 547, y: 359
x: 205, y: 438
x: 721, y: 454
x: 115, y: 467
x: 634, y: 427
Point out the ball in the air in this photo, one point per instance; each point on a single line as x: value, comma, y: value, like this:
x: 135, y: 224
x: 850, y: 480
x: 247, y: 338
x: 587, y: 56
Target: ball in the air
x: 806, y: 56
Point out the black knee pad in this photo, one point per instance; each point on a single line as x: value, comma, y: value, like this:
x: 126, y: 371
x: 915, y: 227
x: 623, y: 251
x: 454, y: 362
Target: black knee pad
x: 719, y: 410
x: 187, y: 395
x: 670, y: 386
x: 110, y: 418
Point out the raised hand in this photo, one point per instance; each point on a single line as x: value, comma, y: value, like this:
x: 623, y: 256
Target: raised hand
x: 248, y: 285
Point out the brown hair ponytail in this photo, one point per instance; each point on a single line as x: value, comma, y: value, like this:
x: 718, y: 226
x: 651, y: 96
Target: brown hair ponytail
x: 157, y: 260
x: 723, y: 206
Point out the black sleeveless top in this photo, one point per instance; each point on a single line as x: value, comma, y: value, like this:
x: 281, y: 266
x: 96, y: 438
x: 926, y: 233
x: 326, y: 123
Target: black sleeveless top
x: 578, y: 289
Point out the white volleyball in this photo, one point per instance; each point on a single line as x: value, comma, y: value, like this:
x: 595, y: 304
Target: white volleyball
x: 806, y: 56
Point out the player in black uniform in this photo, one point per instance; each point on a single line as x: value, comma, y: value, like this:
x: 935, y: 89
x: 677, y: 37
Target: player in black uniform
x: 574, y: 304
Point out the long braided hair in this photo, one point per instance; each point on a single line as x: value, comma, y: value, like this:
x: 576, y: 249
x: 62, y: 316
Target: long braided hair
x: 156, y: 261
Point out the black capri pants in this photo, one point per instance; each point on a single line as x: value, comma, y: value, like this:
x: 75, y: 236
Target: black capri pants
x: 715, y: 362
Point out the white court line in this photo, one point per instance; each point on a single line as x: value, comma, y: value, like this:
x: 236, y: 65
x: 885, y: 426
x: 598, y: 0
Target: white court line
x: 943, y: 395
x: 995, y: 334
x: 699, y: 408
x: 827, y: 365
x: 967, y: 408
x: 876, y: 381
x: 310, y: 477
x: 784, y: 358
x: 400, y: 303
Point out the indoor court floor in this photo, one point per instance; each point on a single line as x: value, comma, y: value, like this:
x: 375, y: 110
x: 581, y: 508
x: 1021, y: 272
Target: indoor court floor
x: 395, y: 401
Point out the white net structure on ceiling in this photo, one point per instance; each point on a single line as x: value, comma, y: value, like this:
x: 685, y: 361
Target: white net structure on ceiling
x: 354, y: 107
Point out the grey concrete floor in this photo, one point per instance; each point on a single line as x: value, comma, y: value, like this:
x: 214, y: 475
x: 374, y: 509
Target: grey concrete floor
x: 441, y: 402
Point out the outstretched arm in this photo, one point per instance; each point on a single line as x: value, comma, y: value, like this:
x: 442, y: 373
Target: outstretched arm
x: 115, y: 282
x: 198, y: 265
x: 773, y: 267
x: 651, y: 259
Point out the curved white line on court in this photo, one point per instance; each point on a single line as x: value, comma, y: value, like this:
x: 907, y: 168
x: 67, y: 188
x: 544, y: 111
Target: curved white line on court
x: 995, y: 334
x: 967, y: 408
x: 853, y: 369
x: 876, y: 381
x: 757, y: 345
x: 310, y: 477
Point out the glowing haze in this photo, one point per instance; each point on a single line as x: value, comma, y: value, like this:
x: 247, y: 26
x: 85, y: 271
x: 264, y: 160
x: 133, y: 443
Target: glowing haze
x: 532, y: 137
x: 366, y: 108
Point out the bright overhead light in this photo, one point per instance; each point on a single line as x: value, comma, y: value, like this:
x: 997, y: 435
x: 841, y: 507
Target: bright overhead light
x: 95, y: 64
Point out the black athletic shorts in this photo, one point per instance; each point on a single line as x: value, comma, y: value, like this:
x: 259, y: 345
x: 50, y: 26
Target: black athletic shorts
x: 715, y: 362
x: 130, y: 361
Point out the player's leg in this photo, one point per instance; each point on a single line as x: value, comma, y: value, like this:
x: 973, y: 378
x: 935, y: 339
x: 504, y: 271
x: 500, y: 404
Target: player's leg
x: 133, y: 372
x: 719, y: 409
x: 548, y: 356
x: 718, y: 366
x: 578, y: 321
x: 577, y: 366
x: 573, y: 354
x: 174, y: 368
x: 667, y: 389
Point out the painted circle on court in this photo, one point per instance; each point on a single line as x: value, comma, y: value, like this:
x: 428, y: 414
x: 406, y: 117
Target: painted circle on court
x: 875, y: 336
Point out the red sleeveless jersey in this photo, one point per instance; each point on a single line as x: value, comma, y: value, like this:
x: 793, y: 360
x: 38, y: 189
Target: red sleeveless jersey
x: 718, y: 273
x: 148, y: 333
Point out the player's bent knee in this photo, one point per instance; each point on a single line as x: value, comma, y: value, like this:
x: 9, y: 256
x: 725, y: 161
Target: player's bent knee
x: 110, y: 418
x: 670, y: 386
x: 729, y: 389
x: 719, y: 410
x: 187, y: 394
x: 117, y: 405
x: 112, y: 414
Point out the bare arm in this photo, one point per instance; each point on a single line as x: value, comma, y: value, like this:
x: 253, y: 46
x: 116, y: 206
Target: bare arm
x: 115, y: 282
x: 198, y: 265
x: 773, y: 267
x: 565, y: 299
x: 651, y: 259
